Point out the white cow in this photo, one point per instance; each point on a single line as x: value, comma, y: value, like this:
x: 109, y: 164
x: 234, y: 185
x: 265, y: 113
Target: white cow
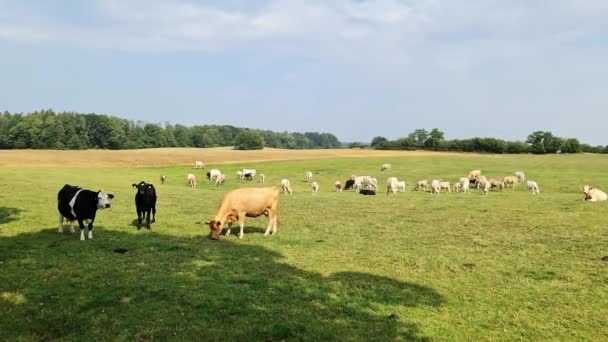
x: 533, y: 186
x: 521, y: 176
x: 401, y: 186
x: 315, y: 188
x: 239, y: 174
x: 594, y: 195
x: 213, y: 174
x: 464, y: 185
x: 191, y: 180
x: 391, y: 186
x: 286, y: 186
x: 435, y: 187
x: 445, y: 186
x: 248, y: 174
x: 198, y: 164
x: 220, y: 179
x: 262, y: 178
x: 385, y: 167
x: 308, y: 176
x: 422, y: 185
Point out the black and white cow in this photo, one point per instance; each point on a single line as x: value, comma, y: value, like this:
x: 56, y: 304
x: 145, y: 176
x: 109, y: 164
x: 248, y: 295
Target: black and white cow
x: 367, y: 192
x: 349, y: 184
x: 77, y: 204
x: 145, y: 202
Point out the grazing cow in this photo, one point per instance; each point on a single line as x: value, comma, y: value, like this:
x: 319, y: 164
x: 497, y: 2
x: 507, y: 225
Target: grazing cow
x: 219, y: 180
x: 401, y: 186
x: 594, y: 195
x: 199, y: 165
x: 479, y: 180
x: 391, y: 186
x: 464, y: 185
x: 370, y: 183
x: 246, y: 202
x: 473, y: 174
x: 286, y: 186
x: 262, y: 178
x: 435, y: 187
x: 457, y: 187
x: 239, y: 174
x: 77, y: 204
x: 521, y: 176
x: 445, y: 186
x: 385, y: 167
x: 494, y: 183
x: 191, y: 180
x: 512, y: 181
x: 163, y: 179
x: 533, y: 186
x: 212, y: 174
x: 145, y: 202
x: 349, y: 184
x: 315, y: 188
x: 248, y: 174
x: 338, y: 186
x: 367, y: 192
x: 483, y: 184
x: 422, y: 184
x: 308, y: 176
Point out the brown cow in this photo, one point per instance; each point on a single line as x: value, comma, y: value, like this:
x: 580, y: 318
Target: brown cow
x: 246, y: 202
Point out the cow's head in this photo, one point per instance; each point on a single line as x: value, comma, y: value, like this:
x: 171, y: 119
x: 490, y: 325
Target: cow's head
x: 216, y: 229
x: 103, y: 199
x: 142, y: 187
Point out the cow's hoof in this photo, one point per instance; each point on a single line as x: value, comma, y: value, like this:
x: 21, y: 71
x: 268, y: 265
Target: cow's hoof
x: 82, y: 238
x: 240, y: 236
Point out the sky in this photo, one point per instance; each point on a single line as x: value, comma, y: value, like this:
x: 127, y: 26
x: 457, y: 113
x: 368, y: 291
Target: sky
x: 354, y: 68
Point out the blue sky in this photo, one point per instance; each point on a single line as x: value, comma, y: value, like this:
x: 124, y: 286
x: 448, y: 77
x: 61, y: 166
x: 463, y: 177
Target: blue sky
x: 355, y: 68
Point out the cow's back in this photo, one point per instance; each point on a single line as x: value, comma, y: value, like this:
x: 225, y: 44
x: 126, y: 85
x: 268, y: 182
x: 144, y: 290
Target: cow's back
x: 251, y: 200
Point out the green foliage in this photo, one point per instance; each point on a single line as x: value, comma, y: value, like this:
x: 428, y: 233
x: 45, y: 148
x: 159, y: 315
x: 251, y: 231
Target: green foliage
x: 249, y: 140
x: 378, y: 141
x: 357, y: 145
x: 48, y: 130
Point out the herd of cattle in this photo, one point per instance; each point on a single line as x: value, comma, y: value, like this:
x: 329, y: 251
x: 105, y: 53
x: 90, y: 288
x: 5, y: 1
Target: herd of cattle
x: 77, y: 204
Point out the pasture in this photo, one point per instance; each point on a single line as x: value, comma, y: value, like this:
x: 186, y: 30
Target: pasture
x: 507, y: 266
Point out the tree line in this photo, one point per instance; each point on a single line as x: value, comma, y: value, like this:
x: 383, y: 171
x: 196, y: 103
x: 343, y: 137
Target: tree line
x: 538, y: 142
x: 46, y: 129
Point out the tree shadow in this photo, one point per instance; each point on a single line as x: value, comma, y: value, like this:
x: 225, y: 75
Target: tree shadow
x: 165, y: 287
x: 8, y: 214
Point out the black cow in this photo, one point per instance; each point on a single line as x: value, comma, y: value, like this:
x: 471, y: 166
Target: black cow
x: 248, y: 176
x: 145, y: 202
x: 349, y: 184
x: 77, y: 204
x: 367, y: 192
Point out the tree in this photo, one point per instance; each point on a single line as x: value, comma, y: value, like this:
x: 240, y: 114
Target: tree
x: 418, y: 137
x: 249, y: 140
x: 434, y: 139
x: 571, y: 146
x: 378, y: 141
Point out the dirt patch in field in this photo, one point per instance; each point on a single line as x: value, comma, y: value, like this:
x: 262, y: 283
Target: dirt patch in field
x: 182, y: 156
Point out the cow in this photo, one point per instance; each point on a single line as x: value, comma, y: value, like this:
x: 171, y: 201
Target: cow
x: 219, y: 180
x: 239, y: 174
x: 163, y: 179
x: 349, y: 184
x: 473, y: 175
x: 246, y: 202
x: 391, y: 186
x: 422, y: 185
x: 594, y: 195
x: 521, y: 176
x: 248, y: 174
x: 367, y: 192
x: 145, y: 203
x: 338, y: 186
x: 286, y: 186
x: 308, y: 176
x: 191, y: 180
x: 212, y: 174
x: 77, y: 204
x: 199, y: 165
x: 533, y: 187
x: 315, y: 188
x: 401, y: 186
x: 262, y: 178
x: 435, y: 186
x: 385, y: 167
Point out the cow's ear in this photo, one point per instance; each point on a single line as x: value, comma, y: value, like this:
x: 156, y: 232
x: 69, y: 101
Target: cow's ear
x: 207, y: 222
x: 134, y: 185
x: 110, y: 196
x: 150, y: 186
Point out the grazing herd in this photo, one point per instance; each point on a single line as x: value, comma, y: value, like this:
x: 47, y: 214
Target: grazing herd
x: 77, y: 204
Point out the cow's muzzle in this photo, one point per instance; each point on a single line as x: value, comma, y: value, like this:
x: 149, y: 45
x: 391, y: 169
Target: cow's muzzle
x: 107, y: 205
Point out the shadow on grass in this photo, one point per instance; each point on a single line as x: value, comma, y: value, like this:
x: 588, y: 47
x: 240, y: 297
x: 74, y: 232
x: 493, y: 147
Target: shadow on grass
x: 165, y: 287
x: 8, y: 214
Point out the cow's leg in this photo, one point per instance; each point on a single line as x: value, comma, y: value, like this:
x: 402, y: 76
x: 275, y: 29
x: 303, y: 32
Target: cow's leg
x: 241, y: 224
x: 91, y: 228
x: 154, y: 214
x: 148, y: 218
x: 229, y: 227
x: 271, y: 215
x: 139, y: 218
x: 72, y: 227
x: 60, y: 230
x: 81, y: 225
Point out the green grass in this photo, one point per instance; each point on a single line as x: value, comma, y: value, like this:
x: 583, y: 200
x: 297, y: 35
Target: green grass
x: 509, y: 266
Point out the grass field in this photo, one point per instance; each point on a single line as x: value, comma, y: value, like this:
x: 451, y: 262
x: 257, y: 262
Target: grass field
x: 508, y: 266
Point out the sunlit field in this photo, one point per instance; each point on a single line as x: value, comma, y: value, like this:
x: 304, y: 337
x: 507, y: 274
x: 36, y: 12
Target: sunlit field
x: 507, y: 266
